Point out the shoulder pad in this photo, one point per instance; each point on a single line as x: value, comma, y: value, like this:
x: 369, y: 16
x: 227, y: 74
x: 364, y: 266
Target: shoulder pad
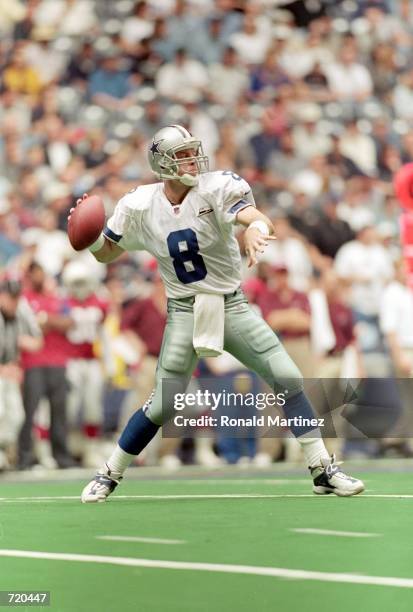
x: 224, y: 181
x: 140, y: 197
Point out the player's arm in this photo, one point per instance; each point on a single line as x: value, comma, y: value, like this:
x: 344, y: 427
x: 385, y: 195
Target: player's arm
x: 259, y: 231
x: 106, y: 250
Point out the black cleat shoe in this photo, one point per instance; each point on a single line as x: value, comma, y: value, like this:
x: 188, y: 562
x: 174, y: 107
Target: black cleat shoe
x: 329, y: 478
x: 101, y: 486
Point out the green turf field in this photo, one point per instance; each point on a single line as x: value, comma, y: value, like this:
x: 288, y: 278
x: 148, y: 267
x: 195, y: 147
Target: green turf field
x: 220, y: 532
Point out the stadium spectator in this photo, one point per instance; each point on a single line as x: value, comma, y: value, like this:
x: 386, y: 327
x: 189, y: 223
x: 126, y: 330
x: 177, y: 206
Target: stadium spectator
x: 396, y: 321
x: 334, y: 344
x: 46, y: 239
x: 288, y: 313
x: 349, y: 80
x: 18, y: 331
x: 290, y: 250
x: 358, y: 147
x: 20, y: 77
x: 138, y: 26
x: 367, y: 266
x: 110, y: 85
x: 45, y: 369
x: 84, y: 371
x: 309, y: 139
x: 182, y: 80
x: 343, y: 167
x: 208, y: 43
x: 253, y: 40
x: 396, y: 316
x: 227, y: 79
x: 330, y: 232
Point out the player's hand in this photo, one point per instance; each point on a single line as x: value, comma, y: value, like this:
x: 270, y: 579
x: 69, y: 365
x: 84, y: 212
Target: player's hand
x: 78, y: 201
x: 255, y: 243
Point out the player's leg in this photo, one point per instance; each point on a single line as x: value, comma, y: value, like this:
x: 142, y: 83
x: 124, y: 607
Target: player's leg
x: 176, y: 363
x: 252, y: 341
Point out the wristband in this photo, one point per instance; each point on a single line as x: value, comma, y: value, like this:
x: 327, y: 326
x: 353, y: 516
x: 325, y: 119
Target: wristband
x: 97, y: 245
x: 261, y: 226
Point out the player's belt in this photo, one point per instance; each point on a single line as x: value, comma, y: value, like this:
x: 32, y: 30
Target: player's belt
x: 191, y: 299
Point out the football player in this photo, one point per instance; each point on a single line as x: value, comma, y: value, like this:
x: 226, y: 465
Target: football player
x: 84, y: 370
x: 186, y: 221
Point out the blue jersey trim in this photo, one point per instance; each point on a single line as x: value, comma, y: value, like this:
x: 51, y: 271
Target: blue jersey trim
x: 239, y: 206
x: 111, y: 235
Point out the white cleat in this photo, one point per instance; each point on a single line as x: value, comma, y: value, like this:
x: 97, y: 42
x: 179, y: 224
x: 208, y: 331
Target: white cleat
x: 101, y: 486
x: 329, y: 478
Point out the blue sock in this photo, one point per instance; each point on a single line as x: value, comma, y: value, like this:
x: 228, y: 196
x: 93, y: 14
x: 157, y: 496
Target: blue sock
x: 138, y: 433
x: 299, y: 406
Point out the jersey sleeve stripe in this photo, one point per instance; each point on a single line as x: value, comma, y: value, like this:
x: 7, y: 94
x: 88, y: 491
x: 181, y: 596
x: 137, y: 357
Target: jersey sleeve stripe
x: 239, y: 206
x: 111, y: 235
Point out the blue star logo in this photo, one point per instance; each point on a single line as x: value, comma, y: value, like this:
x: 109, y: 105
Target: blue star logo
x: 155, y: 147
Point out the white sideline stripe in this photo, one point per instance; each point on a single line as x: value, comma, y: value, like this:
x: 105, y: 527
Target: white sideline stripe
x: 161, y: 497
x: 138, y: 539
x: 348, y: 534
x: 277, y: 572
x: 235, y: 481
x: 208, y: 496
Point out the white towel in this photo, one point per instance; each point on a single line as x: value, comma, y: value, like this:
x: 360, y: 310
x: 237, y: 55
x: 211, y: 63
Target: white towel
x: 209, y: 315
x: 323, y: 338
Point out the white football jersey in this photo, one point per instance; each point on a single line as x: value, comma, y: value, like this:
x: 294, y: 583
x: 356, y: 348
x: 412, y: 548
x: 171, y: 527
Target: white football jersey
x: 194, y: 242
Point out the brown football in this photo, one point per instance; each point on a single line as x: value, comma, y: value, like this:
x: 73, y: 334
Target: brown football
x: 86, y: 222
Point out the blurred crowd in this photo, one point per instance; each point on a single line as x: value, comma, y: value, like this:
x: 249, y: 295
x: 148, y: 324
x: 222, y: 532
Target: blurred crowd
x: 310, y: 101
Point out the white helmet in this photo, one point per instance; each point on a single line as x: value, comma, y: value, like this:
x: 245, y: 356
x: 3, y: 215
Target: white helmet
x: 162, y: 154
x: 79, y: 280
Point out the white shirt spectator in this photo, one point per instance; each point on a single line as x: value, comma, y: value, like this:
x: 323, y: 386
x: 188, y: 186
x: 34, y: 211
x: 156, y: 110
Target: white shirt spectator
x: 226, y: 83
x: 292, y: 253
x: 48, y: 62
x: 360, y: 149
x: 349, y: 80
x: 135, y: 29
x: 396, y: 313
x: 182, y: 82
x: 55, y: 242
x: 371, y: 268
x: 310, y: 141
x: 403, y: 97
x: 11, y: 12
x: 357, y: 216
x: 253, y: 41
x: 72, y: 18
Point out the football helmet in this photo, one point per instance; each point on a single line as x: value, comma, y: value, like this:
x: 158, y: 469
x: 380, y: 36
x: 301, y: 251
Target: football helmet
x: 79, y: 280
x: 163, y: 160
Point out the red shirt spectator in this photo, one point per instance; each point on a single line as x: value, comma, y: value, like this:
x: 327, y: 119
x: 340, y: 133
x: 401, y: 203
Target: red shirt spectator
x: 342, y: 321
x: 88, y: 316
x: 277, y: 295
x: 144, y: 319
x: 55, y: 346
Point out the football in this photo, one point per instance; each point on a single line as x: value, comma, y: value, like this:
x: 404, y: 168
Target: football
x: 403, y: 186
x: 86, y: 222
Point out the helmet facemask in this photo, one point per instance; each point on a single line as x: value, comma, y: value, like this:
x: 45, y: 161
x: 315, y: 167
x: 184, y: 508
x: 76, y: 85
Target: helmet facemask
x: 163, y: 155
x: 171, y: 163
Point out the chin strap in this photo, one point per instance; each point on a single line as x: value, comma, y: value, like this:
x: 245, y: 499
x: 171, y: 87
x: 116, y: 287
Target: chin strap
x: 189, y: 179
